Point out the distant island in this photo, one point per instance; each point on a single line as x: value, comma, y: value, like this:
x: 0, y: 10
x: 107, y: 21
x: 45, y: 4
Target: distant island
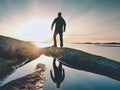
x: 98, y: 43
x: 85, y: 42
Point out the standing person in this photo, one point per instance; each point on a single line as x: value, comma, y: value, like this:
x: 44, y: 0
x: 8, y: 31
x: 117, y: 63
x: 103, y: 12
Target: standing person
x: 60, y: 26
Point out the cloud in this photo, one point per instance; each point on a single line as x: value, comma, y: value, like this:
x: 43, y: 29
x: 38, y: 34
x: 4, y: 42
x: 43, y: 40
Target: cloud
x: 85, y: 18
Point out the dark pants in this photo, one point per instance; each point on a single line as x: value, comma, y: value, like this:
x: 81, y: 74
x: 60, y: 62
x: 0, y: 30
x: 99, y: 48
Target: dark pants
x: 61, y: 38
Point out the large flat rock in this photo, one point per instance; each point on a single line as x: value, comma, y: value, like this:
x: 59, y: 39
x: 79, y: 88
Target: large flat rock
x: 85, y: 61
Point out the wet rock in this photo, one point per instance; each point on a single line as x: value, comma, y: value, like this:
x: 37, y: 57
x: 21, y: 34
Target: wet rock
x: 33, y: 81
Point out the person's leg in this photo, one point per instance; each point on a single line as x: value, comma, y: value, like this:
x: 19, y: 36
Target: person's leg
x: 54, y: 64
x: 61, y: 38
x: 60, y: 66
x: 54, y: 38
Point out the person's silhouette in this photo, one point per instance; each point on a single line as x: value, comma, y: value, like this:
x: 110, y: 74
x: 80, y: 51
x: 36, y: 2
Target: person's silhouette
x: 60, y: 26
x: 59, y: 74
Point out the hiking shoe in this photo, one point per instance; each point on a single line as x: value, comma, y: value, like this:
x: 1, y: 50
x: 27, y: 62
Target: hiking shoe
x: 54, y: 45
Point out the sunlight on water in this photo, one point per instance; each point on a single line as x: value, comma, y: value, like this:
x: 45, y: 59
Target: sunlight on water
x: 109, y: 52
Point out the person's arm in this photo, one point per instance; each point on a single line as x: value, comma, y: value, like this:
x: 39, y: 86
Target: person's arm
x: 63, y: 76
x: 53, y: 24
x: 52, y: 76
x: 64, y: 25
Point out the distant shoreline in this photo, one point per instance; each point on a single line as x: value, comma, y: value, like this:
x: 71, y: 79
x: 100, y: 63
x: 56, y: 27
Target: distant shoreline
x: 90, y: 43
x: 107, y: 44
x: 113, y: 44
x: 99, y: 43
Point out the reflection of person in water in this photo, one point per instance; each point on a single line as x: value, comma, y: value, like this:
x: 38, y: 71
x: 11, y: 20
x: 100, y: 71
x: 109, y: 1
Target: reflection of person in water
x: 60, y: 26
x: 59, y: 74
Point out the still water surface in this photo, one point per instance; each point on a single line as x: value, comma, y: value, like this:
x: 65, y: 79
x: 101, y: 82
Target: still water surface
x: 72, y: 79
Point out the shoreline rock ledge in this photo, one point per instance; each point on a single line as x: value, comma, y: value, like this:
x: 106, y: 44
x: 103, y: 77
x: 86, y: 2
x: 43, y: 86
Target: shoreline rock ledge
x: 85, y: 61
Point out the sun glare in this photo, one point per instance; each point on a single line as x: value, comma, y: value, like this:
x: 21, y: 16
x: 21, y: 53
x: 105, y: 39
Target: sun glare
x: 35, y: 30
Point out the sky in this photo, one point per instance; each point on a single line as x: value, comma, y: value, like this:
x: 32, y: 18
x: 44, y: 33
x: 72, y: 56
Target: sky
x: 86, y: 20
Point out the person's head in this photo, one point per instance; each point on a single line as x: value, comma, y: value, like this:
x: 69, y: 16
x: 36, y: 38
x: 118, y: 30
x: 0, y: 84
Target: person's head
x: 59, y: 14
x: 58, y: 85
